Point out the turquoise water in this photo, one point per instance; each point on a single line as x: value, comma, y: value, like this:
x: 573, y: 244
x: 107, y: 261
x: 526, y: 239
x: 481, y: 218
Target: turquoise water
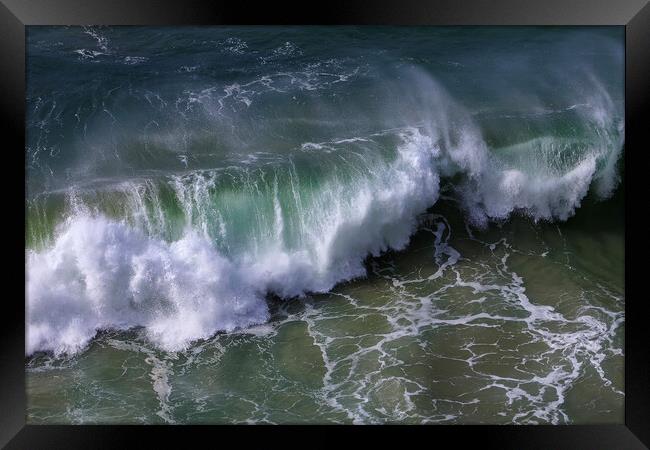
x: 325, y: 225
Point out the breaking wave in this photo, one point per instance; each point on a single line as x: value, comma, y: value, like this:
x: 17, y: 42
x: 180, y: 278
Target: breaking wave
x: 193, y: 249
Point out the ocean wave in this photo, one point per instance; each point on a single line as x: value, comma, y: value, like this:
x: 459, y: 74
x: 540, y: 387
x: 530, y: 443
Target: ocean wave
x: 103, y: 273
x: 301, y: 223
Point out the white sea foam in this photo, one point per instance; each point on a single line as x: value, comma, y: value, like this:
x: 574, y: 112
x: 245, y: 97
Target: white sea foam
x: 104, y: 274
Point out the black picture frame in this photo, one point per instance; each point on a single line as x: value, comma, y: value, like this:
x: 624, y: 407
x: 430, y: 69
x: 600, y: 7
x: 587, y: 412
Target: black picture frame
x: 634, y: 15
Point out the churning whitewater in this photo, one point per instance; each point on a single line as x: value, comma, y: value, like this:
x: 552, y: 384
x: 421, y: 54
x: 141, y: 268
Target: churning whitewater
x: 176, y: 199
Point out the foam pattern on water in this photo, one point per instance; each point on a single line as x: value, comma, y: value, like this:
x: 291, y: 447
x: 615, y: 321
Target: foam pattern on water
x: 456, y: 341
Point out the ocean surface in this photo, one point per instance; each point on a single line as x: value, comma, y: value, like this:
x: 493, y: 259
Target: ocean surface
x: 325, y: 225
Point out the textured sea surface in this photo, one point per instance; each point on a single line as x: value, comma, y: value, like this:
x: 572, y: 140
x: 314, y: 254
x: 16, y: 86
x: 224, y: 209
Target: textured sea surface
x: 325, y: 225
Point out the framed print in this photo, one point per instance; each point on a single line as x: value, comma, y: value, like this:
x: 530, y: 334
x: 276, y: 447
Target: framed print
x: 413, y: 214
